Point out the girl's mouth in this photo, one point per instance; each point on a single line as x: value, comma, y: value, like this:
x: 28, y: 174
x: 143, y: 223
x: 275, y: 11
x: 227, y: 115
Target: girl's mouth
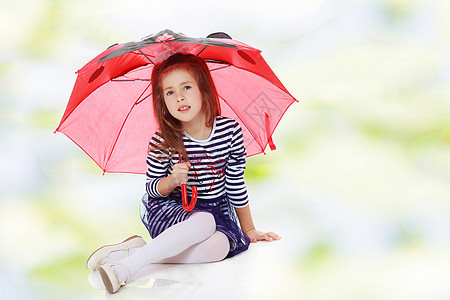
x: 184, y: 108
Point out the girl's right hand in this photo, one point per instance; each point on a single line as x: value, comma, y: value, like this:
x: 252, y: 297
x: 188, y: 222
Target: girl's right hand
x: 180, y: 173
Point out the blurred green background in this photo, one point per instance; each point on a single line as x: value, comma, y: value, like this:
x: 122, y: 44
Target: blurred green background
x: 362, y: 171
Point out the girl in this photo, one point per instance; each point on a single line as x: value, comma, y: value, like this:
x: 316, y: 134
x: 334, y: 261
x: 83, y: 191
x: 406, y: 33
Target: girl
x: 193, y: 144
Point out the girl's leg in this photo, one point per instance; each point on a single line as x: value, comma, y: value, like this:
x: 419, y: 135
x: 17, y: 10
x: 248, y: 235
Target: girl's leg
x: 215, y: 248
x: 171, y: 242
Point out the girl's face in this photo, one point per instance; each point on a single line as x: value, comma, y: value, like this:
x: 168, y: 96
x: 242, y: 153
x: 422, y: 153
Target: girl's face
x: 183, y: 97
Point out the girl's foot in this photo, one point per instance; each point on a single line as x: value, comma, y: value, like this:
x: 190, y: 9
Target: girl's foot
x: 113, y: 274
x: 100, y: 255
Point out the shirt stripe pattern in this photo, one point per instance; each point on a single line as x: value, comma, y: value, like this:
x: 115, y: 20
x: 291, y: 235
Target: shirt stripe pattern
x: 217, y: 164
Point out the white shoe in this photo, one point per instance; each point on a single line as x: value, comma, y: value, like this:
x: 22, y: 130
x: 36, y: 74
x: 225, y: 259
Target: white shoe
x: 110, y: 278
x: 95, y: 280
x: 100, y: 255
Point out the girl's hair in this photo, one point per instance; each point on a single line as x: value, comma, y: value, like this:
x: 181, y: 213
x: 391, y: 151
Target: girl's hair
x: 171, y: 128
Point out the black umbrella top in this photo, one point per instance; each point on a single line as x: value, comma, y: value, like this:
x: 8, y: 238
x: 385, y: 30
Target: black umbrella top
x: 165, y: 36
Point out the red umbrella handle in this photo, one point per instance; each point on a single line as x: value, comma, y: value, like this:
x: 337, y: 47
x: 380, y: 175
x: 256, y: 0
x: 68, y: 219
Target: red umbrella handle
x: 186, y: 205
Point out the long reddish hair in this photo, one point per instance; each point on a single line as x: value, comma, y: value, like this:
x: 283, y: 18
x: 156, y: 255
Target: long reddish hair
x: 171, y: 128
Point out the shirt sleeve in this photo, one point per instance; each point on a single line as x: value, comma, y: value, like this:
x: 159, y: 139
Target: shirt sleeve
x: 234, y: 172
x: 157, y: 166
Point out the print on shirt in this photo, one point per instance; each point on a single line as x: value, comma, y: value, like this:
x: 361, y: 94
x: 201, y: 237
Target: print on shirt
x: 215, y: 168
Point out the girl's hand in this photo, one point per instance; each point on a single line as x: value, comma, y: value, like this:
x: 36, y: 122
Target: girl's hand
x: 180, y: 173
x: 256, y: 235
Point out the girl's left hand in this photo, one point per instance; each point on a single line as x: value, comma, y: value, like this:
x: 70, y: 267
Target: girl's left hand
x: 256, y: 235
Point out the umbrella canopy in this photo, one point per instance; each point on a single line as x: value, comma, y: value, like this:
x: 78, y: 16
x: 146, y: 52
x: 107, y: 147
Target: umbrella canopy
x: 110, y: 111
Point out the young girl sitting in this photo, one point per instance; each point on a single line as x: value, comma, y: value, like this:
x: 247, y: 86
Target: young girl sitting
x: 194, y: 145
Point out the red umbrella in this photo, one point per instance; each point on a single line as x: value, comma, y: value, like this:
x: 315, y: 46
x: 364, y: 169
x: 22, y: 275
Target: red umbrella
x: 110, y: 112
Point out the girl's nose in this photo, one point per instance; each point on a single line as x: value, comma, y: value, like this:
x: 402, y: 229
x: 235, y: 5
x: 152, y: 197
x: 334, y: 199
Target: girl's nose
x: 180, y: 97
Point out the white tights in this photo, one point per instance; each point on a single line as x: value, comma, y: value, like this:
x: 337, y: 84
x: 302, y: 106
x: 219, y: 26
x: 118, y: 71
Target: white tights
x: 194, y: 240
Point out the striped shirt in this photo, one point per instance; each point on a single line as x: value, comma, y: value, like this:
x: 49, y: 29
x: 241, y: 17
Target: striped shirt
x: 217, y: 163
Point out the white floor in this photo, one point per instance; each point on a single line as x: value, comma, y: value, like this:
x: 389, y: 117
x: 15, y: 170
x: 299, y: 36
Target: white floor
x: 254, y: 274
x: 291, y: 269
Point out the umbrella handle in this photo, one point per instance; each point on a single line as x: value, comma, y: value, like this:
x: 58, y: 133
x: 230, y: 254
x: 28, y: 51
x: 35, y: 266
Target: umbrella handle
x: 186, y: 205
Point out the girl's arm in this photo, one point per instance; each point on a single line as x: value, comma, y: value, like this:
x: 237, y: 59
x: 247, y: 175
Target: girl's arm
x: 237, y: 191
x: 246, y: 221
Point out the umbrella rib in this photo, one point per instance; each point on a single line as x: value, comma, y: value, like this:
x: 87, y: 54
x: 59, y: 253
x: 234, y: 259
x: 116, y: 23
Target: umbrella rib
x: 201, y: 50
x: 125, y: 80
x: 85, y: 151
x: 123, y: 125
x: 243, y: 122
x: 140, y: 101
x: 146, y: 57
x: 220, y: 68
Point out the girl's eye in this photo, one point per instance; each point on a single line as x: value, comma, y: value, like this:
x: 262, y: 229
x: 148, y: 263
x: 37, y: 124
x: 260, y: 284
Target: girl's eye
x: 169, y: 93
x: 187, y: 87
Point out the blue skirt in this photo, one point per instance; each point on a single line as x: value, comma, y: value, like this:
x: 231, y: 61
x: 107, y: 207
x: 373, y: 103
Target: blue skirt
x: 158, y: 214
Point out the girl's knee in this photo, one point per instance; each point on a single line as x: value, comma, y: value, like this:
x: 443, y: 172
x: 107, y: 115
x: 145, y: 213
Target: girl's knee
x: 204, y: 223
x: 216, y: 248
x: 222, y: 245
